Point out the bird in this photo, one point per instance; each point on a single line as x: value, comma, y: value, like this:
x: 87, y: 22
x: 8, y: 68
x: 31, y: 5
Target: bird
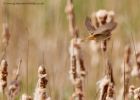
x: 101, y: 33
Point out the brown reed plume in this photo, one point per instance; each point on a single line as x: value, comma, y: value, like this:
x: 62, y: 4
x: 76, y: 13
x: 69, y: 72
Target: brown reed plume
x: 110, y: 90
x: 126, y: 73
x: 131, y: 91
x: 3, y: 75
x: 77, y: 69
x: 106, y: 84
x: 40, y: 91
x: 5, y: 34
x: 5, y: 39
x: 137, y: 94
x: 138, y: 63
x: 136, y: 69
x: 14, y: 87
x: 134, y: 93
x: 102, y: 17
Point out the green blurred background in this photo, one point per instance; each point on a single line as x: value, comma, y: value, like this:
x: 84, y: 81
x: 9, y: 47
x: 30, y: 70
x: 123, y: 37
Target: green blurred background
x: 46, y: 28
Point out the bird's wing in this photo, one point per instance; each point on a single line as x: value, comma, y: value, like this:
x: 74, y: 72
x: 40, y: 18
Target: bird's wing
x: 89, y: 25
x: 107, y: 27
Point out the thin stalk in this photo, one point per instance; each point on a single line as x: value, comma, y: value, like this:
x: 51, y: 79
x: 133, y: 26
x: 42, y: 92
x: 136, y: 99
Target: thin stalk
x: 124, y: 81
x: 134, y: 47
x: 17, y: 73
x: 27, y: 66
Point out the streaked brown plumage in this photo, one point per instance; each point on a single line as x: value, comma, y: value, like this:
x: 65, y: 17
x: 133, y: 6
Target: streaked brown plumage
x: 101, y: 33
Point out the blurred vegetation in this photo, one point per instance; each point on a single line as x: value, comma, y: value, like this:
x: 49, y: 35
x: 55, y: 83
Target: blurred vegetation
x: 46, y: 28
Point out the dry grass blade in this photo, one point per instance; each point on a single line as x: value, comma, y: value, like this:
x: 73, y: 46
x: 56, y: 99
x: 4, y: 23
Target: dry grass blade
x: 14, y: 86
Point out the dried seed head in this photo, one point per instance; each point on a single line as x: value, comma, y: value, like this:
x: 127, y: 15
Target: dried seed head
x: 4, y: 65
x: 78, y: 93
x: 75, y: 46
x: 106, y: 88
x: 14, y: 86
x: 127, y: 54
x: 110, y: 17
x: 103, y: 82
x: 77, y: 69
x: 26, y: 97
x: 72, y: 72
x: 110, y: 92
x: 5, y: 34
x: 13, y: 89
x: 101, y: 16
x: 135, y: 72
x: 138, y: 59
x: 137, y: 94
x: 75, y: 53
x: 41, y: 70
x: 40, y: 94
x: 109, y: 71
x: 3, y: 75
x: 40, y: 91
x: 131, y: 91
x: 42, y: 82
x: 136, y: 69
x: 81, y: 68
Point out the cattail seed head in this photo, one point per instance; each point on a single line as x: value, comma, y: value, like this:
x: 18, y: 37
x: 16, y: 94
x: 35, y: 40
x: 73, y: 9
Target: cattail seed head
x: 3, y: 75
x: 138, y: 59
x: 13, y: 89
x: 137, y: 94
x: 136, y: 69
x: 110, y: 92
x: 40, y: 91
x: 42, y: 77
x: 41, y: 70
x: 4, y: 65
x: 101, y: 16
